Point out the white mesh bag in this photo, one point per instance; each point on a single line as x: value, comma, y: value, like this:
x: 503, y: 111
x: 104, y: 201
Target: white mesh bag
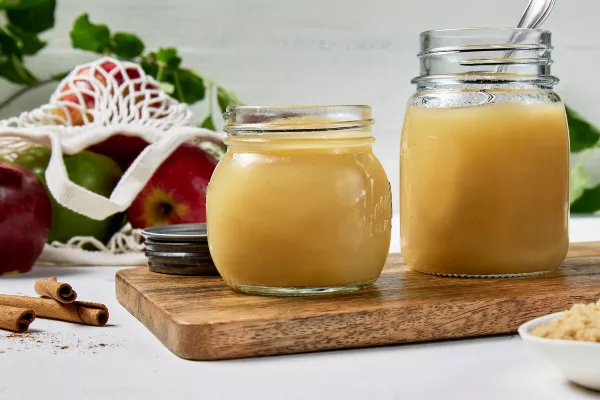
x: 104, y: 98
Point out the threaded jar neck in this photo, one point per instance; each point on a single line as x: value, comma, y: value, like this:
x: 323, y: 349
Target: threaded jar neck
x: 299, y: 126
x: 256, y: 120
x: 494, y: 56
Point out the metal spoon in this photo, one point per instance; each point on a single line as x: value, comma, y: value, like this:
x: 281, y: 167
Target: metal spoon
x: 535, y: 14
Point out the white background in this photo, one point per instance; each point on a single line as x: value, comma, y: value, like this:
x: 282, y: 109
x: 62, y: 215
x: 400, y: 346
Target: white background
x: 321, y: 51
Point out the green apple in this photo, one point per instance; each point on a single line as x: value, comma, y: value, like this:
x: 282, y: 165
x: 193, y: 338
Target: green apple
x: 92, y: 171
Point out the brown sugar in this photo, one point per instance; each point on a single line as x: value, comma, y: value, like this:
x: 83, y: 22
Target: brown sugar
x: 580, y: 323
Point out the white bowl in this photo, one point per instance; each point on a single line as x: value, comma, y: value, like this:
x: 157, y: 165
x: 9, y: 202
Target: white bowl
x: 577, y: 361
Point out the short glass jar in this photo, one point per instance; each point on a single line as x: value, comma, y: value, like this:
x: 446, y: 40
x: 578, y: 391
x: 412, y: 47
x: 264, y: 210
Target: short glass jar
x: 299, y: 204
x: 484, y: 163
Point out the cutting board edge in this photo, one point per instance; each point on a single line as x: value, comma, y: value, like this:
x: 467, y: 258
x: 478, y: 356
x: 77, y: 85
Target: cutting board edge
x: 169, y: 330
x: 237, y: 352
x: 204, y: 342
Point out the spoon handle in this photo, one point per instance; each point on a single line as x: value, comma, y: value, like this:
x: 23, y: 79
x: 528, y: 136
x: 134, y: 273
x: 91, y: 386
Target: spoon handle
x: 535, y: 14
x: 533, y: 17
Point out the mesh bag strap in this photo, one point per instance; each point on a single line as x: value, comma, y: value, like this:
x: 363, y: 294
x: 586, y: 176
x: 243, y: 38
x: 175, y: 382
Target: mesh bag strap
x: 88, y: 203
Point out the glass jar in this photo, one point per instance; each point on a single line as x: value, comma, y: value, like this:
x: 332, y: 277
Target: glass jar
x: 299, y: 204
x: 484, y: 159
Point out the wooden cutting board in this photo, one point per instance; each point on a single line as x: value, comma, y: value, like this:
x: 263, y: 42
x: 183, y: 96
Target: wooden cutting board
x: 200, y: 318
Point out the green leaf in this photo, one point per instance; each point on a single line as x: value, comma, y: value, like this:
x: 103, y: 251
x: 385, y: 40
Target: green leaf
x: 34, y: 19
x: 11, y: 61
x: 20, y: 4
x: 8, y: 45
x: 583, y: 135
x: 227, y: 98
x: 165, y: 59
x: 90, y: 37
x: 27, y: 42
x: 189, y: 87
x: 13, y: 69
x: 208, y: 123
x: 588, y: 203
x: 161, y: 64
x: 148, y: 63
x: 168, y: 58
x: 578, y: 181
x: 127, y: 45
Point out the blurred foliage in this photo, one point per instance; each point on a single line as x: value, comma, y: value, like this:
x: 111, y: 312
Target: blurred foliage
x: 584, y: 142
x: 25, y: 20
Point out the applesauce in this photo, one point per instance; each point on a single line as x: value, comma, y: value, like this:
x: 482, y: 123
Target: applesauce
x: 484, y: 158
x: 299, y: 204
x: 484, y: 190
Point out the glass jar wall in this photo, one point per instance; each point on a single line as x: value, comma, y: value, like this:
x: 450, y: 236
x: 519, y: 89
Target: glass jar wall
x: 299, y: 205
x: 484, y: 157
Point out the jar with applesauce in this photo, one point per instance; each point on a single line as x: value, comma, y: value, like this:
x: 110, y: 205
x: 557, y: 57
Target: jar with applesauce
x: 484, y: 158
x: 299, y: 204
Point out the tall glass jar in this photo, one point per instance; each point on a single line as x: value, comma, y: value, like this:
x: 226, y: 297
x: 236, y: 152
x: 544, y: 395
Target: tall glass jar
x: 484, y: 159
x: 299, y: 204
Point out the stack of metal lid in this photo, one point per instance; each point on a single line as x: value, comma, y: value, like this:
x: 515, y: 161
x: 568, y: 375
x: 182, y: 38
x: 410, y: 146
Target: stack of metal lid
x: 179, y: 249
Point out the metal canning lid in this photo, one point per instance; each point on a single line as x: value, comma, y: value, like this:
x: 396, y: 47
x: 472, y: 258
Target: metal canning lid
x: 176, y: 233
x: 192, y: 247
x: 178, y: 255
x: 201, y: 261
x: 179, y: 250
x: 204, y: 269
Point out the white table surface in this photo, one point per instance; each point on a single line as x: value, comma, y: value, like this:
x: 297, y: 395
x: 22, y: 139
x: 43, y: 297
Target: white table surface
x: 125, y: 361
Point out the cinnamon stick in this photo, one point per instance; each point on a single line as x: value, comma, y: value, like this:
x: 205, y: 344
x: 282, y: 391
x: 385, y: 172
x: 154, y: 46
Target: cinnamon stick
x: 15, y: 319
x: 58, y: 291
x: 80, y: 312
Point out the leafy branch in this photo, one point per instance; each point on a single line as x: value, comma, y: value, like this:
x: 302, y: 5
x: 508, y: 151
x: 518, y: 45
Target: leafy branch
x: 585, y: 139
x: 26, y: 19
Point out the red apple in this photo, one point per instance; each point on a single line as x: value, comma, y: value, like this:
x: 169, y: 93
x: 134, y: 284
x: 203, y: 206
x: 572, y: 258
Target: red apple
x: 25, y: 218
x: 144, y: 89
x: 176, y: 193
x: 124, y: 149
x: 74, y: 106
x: 121, y: 148
x: 77, y: 94
x: 81, y: 83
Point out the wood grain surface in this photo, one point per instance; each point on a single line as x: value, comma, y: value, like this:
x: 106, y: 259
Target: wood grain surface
x: 200, y: 318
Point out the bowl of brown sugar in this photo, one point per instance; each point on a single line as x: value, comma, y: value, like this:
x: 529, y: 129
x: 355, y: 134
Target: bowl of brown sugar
x: 571, y: 341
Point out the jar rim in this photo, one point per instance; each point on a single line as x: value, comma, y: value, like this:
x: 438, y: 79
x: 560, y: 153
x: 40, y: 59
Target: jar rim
x: 468, y: 40
x: 495, y: 55
x: 251, y: 119
x: 485, y: 28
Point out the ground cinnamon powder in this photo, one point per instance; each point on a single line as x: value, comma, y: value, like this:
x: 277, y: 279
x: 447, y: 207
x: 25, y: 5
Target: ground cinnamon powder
x: 581, y: 323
